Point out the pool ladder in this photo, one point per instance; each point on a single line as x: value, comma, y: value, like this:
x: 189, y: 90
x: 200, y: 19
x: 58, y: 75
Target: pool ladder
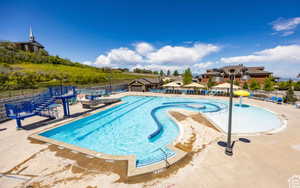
x: 166, y: 158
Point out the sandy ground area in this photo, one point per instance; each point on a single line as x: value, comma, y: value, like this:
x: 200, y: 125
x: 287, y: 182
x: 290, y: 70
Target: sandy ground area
x: 266, y: 160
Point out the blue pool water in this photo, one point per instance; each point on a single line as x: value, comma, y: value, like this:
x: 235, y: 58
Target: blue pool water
x: 140, y: 126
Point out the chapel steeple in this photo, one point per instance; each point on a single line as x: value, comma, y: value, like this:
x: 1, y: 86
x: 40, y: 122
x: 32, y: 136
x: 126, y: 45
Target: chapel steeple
x: 31, y: 37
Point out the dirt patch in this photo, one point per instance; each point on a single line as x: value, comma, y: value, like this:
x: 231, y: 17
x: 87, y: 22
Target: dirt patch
x: 202, y: 120
x: 35, y: 141
x: 178, y: 116
x: 187, y: 146
x: 86, y: 164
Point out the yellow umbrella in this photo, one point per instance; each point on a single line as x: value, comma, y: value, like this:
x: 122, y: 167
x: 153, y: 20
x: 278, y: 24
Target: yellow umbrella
x: 241, y: 93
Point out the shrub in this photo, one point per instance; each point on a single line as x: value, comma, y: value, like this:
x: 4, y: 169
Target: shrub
x: 187, y: 76
x: 268, y: 84
x: 254, y: 85
x: 289, y: 97
x: 245, y: 85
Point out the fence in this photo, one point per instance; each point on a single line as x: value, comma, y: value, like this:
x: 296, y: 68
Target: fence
x: 19, y: 96
x: 278, y: 93
x: 14, y: 99
x: 114, y: 87
x: 16, y: 93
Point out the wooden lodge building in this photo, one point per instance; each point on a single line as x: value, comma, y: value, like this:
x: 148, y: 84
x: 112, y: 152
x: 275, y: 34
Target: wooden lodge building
x: 144, y: 84
x: 257, y: 73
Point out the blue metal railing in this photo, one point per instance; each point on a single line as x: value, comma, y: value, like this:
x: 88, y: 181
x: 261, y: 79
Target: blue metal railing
x: 25, y: 109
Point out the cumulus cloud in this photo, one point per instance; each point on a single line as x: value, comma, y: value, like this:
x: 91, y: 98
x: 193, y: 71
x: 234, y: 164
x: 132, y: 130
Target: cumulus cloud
x: 120, y: 56
x: 181, y: 54
x: 285, y: 27
x: 143, y: 48
x: 147, y: 56
x: 284, y: 54
x: 203, y: 65
x: 156, y: 67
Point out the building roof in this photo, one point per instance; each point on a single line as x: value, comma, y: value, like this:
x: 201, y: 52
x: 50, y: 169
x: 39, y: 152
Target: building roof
x: 173, y: 84
x: 194, y: 85
x: 153, y: 80
x: 225, y: 86
x: 212, y: 73
x: 34, y: 43
x: 147, y: 81
x: 31, y: 41
x: 239, y: 69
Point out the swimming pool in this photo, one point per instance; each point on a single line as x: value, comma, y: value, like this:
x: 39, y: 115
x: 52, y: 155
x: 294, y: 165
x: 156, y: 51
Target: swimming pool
x: 140, y: 126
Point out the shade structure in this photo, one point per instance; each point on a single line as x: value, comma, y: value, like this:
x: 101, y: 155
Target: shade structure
x: 173, y: 84
x: 225, y: 86
x: 241, y: 93
x: 194, y: 85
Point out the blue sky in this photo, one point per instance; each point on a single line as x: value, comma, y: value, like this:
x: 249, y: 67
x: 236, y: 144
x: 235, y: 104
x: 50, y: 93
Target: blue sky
x: 162, y: 34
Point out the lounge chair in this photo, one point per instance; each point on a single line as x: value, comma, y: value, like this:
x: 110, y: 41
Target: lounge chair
x: 279, y: 100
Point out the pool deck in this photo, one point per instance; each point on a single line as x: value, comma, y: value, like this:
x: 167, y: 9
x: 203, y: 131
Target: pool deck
x: 267, y: 161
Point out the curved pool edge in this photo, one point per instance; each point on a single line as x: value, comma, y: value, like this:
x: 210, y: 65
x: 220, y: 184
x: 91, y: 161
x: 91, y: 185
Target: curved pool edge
x: 132, y: 169
x: 281, y: 118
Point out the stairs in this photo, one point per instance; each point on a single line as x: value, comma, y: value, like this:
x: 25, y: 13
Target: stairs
x: 161, y: 154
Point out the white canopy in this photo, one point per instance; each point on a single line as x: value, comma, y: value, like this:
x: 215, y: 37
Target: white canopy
x: 194, y: 85
x: 173, y: 84
x: 225, y: 86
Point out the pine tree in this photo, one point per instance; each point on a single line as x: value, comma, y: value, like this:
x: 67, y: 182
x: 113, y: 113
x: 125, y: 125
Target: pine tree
x: 175, y: 73
x: 268, y: 85
x: 161, y: 73
x: 168, y: 73
x: 290, y: 98
x: 187, y: 76
x: 245, y: 85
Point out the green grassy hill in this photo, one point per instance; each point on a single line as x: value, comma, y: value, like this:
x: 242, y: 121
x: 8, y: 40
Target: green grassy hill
x: 25, y: 70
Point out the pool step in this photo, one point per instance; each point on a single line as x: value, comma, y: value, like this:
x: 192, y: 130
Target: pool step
x: 155, y: 157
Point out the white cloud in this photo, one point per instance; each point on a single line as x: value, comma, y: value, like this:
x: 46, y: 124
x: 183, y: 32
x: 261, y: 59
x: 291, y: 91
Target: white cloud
x: 120, y: 56
x: 287, y: 33
x: 203, y: 65
x: 285, y: 27
x: 147, y: 56
x: 180, y: 54
x: 283, y: 54
x: 156, y: 67
x: 87, y: 63
x: 143, y: 48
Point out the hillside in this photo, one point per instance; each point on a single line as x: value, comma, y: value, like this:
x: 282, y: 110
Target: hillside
x: 25, y: 70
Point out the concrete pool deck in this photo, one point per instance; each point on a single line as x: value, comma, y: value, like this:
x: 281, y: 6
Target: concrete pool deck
x: 267, y: 161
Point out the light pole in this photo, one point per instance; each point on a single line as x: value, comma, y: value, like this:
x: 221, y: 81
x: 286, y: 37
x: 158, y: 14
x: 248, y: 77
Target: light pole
x: 228, y: 150
x: 245, y: 77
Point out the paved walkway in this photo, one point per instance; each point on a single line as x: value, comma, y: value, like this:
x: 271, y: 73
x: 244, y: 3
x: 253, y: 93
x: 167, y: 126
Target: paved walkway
x: 267, y: 161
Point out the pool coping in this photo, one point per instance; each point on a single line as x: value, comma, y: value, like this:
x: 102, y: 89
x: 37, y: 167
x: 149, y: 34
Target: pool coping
x: 132, y: 169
